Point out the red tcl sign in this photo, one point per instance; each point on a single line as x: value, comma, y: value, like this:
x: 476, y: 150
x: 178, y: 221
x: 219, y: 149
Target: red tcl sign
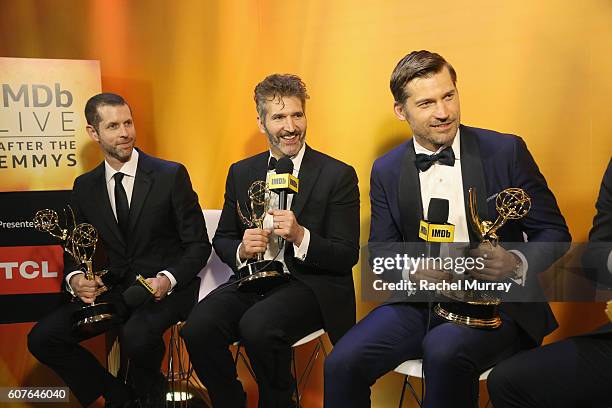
x: 31, y: 269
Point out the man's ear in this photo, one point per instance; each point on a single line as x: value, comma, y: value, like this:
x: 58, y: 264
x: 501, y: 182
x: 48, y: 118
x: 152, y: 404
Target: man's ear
x: 399, y: 110
x: 260, y: 123
x: 93, y: 134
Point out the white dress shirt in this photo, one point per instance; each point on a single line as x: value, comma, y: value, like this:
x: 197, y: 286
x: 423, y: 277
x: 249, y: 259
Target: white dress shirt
x: 441, y: 181
x: 272, y: 249
x: 129, y: 170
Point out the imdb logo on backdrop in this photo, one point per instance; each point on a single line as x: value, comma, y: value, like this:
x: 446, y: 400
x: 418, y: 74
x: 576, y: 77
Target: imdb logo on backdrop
x: 42, y: 140
x: 42, y: 127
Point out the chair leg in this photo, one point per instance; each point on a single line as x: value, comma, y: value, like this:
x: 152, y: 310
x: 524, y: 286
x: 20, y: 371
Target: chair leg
x: 311, y: 362
x: 295, y: 377
x: 302, y: 380
x: 240, y: 354
x: 403, y: 391
x: 413, y: 392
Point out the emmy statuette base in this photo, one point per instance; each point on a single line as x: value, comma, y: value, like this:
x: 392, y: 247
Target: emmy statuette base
x: 261, y: 276
x: 95, y: 319
x: 476, y: 315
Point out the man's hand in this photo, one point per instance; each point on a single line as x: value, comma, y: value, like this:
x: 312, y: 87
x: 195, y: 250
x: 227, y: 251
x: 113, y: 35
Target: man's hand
x: 498, y: 263
x: 254, y: 241
x: 84, y: 288
x: 161, y: 285
x: 430, y: 275
x: 286, y: 226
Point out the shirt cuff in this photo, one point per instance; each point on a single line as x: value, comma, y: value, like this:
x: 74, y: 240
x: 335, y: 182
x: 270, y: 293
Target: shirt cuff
x: 70, y: 275
x: 301, y: 251
x: 239, y: 262
x: 522, y: 271
x: 170, y: 277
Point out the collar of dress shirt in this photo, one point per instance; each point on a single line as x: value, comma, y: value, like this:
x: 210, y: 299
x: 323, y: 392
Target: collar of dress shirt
x: 128, y: 168
x: 297, y: 160
x: 456, y: 147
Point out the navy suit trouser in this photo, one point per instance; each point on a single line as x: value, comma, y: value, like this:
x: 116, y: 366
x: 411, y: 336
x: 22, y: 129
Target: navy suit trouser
x: 573, y: 373
x: 453, y: 356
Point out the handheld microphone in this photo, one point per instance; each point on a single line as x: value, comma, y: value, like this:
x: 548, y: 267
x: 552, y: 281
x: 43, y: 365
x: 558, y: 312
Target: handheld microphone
x: 135, y: 295
x: 283, y: 183
x: 435, y: 229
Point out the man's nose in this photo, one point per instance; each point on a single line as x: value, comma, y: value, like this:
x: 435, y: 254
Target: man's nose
x: 441, y: 111
x: 289, y: 124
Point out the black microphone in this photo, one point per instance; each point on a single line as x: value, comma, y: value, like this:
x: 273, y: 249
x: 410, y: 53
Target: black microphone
x: 283, y: 183
x: 435, y: 229
x: 134, y: 296
x: 283, y: 166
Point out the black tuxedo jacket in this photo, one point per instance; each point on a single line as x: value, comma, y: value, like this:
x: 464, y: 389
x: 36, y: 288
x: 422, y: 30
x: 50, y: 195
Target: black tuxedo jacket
x: 328, y: 205
x: 490, y: 162
x: 166, y: 226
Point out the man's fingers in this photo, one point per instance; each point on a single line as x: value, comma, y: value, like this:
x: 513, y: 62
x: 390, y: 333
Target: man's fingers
x: 257, y: 239
x: 256, y: 232
x: 434, y: 274
x: 486, y: 273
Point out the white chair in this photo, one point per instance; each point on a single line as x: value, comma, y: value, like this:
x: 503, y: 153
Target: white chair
x: 414, y: 368
x: 215, y: 272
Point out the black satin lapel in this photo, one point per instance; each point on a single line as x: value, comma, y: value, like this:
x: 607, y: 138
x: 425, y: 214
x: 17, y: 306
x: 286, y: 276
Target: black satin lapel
x: 409, y: 195
x: 472, y: 173
x: 99, y: 194
x: 260, y: 169
x: 309, y: 172
x: 142, y: 186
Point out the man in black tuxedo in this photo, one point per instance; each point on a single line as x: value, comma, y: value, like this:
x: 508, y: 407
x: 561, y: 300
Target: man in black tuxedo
x: 321, y: 230
x: 150, y: 223
x: 443, y: 160
x: 576, y: 372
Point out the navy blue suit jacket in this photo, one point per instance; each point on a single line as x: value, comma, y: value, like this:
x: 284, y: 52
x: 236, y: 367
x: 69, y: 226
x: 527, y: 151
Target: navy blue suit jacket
x: 595, y: 258
x: 490, y: 162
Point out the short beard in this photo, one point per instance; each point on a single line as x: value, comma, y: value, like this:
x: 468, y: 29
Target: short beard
x: 272, y: 140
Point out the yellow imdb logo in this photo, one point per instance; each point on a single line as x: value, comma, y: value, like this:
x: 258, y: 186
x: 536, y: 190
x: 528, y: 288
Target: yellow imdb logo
x: 282, y: 182
x: 436, y: 232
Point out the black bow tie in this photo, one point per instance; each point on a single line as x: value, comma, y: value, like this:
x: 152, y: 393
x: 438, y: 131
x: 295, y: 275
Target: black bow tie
x: 425, y: 161
x: 272, y: 163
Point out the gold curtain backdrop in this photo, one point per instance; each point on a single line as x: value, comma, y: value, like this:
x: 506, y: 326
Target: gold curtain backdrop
x: 539, y: 69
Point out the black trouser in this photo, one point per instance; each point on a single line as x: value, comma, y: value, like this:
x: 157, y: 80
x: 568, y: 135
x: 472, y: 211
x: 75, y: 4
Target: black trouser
x: 52, y: 342
x: 573, y: 373
x: 266, y: 325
